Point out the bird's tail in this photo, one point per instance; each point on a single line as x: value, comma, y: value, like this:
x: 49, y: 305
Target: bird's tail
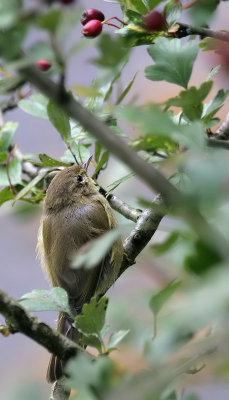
x: 56, y: 365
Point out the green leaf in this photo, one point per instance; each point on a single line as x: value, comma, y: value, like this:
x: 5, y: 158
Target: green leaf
x: 30, y: 185
x: 191, y: 397
x: 14, y: 171
x: 190, y: 100
x: 173, y: 61
x: 172, y: 11
x: 81, y: 152
x: 83, y: 91
x: 211, y: 108
x: 208, y: 44
x: 55, y: 299
x: 103, y: 160
x: 15, y: 37
x: 5, y: 195
x: 169, y: 242
x: 116, y: 337
x: 6, y: 135
x: 41, y: 49
x: 91, y: 340
x: 116, y: 183
x: 47, y: 161
x: 150, y: 4
x: 159, y: 128
x: 93, y: 316
x: 137, y: 5
x: 8, y: 85
x: 98, y: 149
x: 94, y: 251
x: 151, y: 119
x: 59, y: 119
x: 70, y: 18
x: 35, y: 105
x: 50, y: 20
x: 126, y: 90
x: 135, y: 35
x: 9, y: 13
x: 112, y: 51
x: 202, y: 12
x: 201, y: 259
x: 159, y: 299
x: 87, y: 377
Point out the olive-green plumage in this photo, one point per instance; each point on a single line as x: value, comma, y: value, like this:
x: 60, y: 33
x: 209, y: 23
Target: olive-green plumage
x: 74, y: 213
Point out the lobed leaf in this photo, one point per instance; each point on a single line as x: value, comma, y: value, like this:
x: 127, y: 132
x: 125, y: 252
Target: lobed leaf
x: 173, y: 61
x: 93, y: 316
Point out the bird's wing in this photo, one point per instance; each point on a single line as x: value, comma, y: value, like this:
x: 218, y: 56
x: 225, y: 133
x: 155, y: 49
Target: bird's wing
x: 63, y: 235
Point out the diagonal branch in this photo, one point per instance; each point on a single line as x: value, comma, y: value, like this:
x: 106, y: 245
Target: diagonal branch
x: 30, y: 326
x: 105, y: 135
x: 148, y: 173
x: 140, y: 236
x: 186, y: 30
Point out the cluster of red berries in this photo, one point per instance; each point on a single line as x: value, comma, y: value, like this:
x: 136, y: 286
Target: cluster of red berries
x: 92, y: 21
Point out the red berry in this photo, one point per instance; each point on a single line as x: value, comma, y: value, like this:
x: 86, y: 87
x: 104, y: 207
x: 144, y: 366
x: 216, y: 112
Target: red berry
x: 92, y: 28
x: 90, y: 14
x: 44, y: 65
x: 154, y: 21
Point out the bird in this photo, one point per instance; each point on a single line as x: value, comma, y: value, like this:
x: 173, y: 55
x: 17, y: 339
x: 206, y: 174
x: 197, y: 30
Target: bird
x: 75, y: 213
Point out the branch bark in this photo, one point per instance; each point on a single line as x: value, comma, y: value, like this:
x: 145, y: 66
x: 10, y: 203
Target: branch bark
x: 32, y: 327
x: 140, y: 236
x: 186, y: 30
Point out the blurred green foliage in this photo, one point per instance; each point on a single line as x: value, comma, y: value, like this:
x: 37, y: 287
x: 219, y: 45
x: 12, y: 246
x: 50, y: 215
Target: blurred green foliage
x: 170, y: 336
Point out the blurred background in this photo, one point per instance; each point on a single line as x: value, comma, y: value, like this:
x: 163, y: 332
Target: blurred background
x: 20, y: 269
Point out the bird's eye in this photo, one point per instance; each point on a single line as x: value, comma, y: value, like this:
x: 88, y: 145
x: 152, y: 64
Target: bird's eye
x: 79, y: 178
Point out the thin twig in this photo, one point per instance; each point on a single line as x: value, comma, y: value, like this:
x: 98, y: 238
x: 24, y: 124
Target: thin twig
x: 12, y: 187
x: 121, y: 207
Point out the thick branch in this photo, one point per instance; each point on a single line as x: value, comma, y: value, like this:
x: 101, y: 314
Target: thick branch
x: 221, y: 144
x: 186, y: 30
x: 30, y: 325
x: 139, y: 237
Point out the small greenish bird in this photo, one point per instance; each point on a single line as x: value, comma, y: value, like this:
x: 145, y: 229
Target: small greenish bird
x: 74, y: 213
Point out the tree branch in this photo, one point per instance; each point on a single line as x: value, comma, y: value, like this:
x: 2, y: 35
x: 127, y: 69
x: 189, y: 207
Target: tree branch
x: 221, y: 144
x: 142, y: 233
x: 121, y: 207
x: 148, y: 173
x: 105, y: 134
x: 186, y: 30
x: 32, y: 327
